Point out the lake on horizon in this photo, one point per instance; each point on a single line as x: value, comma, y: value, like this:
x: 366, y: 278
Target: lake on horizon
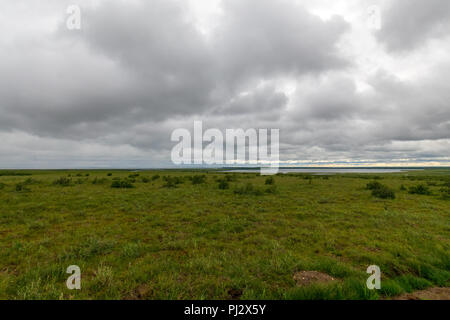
x: 329, y: 170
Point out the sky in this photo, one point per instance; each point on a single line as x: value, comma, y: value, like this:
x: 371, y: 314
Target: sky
x: 347, y: 82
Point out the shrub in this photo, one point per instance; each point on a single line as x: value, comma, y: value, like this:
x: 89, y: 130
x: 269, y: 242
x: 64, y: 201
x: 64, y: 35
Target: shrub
x: 2, y: 185
x: 20, y: 187
x: 419, y: 189
x: 223, y: 184
x: 373, y: 185
x: 145, y: 180
x: 99, y: 181
x: 132, y: 250
x: 270, y: 181
x: 171, y: 182
x: 178, y: 180
x: 383, y: 192
x: 133, y: 175
x: 109, y: 174
x: 87, y: 174
x: 199, y: 179
x: 116, y: 184
x: 271, y: 189
x: 155, y: 177
x: 445, y: 193
x: 402, y: 188
x: 380, y: 190
x: 122, y: 184
x: 230, y: 177
x: 63, y: 181
x: 31, y: 181
x: 248, y: 189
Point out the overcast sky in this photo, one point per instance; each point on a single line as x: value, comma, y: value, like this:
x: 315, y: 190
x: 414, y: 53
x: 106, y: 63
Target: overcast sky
x: 342, y: 86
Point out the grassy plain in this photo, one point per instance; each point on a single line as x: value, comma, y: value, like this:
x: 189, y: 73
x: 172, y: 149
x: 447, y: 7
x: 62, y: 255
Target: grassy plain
x: 187, y: 237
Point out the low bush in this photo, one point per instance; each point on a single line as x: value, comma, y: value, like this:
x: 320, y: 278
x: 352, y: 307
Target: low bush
x: 373, y: 185
x: 122, y: 184
x: 145, y: 180
x: 172, y: 182
x: 31, y: 181
x: 445, y: 192
x: 248, y: 189
x: 155, y: 177
x: 419, y: 189
x: 21, y: 187
x: 63, y: 181
x: 80, y: 181
x: 270, y: 181
x: 199, y: 179
x: 380, y: 190
x: 383, y: 192
x: 223, y: 184
x: 99, y: 181
x: 271, y: 189
x: 230, y: 177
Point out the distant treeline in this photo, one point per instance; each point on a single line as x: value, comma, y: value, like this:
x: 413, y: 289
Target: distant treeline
x: 13, y: 173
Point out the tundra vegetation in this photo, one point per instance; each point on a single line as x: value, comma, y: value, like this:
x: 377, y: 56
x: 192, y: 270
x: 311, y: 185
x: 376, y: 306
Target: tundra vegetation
x: 205, y: 234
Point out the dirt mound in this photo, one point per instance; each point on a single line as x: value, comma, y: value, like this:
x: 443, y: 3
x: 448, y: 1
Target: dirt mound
x: 428, y: 294
x: 305, y: 278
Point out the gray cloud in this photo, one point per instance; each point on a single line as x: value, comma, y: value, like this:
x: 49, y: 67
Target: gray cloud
x: 111, y: 94
x: 407, y: 24
x: 156, y: 65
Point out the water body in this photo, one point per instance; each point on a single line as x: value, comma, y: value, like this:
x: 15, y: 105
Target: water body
x: 329, y: 170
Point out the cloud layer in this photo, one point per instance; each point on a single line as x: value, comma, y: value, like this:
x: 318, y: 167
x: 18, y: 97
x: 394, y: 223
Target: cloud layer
x: 110, y: 94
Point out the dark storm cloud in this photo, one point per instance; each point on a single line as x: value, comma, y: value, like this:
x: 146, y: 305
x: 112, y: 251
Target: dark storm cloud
x: 407, y: 24
x: 146, y: 61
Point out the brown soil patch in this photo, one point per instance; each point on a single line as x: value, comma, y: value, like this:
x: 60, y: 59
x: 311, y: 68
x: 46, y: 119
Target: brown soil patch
x: 428, y: 294
x: 235, y: 294
x: 140, y: 293
x: 305, y: 278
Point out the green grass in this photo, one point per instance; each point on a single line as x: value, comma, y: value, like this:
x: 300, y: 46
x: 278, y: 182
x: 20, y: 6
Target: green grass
x: 179, y: 235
